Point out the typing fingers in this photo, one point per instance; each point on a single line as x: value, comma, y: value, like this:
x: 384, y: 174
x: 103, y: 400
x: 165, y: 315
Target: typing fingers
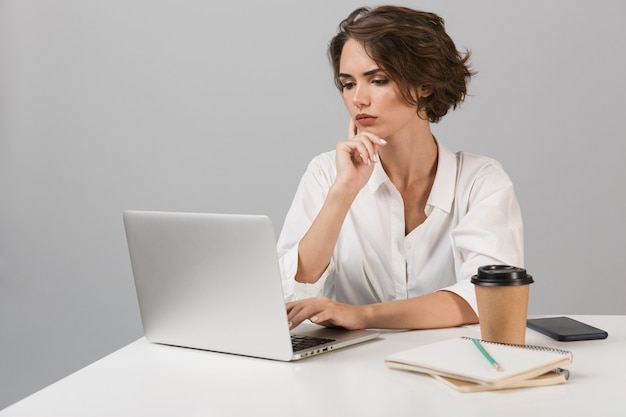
x: 308, y: 309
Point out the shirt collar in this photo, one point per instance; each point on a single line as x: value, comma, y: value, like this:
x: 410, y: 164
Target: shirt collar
x: 442, y: 192
x: 378, y: 177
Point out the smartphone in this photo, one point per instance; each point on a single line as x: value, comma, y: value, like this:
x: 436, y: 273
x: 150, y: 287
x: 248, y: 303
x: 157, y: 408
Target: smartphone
x: 565, y: 329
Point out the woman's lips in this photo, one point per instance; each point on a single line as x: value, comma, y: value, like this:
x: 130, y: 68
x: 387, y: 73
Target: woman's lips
x: 365, y: 119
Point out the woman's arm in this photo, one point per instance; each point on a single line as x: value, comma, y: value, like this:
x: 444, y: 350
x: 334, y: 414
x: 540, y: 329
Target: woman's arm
x: 316, y: 247
x: 436, y: 310
x: 430, y: 311
x: 355, y: 163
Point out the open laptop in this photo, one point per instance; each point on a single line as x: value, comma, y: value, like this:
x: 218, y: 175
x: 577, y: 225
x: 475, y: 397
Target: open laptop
x: 212, y: 282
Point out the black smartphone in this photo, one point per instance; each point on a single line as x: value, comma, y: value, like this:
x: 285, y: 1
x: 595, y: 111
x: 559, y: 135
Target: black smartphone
x: 565, y: 329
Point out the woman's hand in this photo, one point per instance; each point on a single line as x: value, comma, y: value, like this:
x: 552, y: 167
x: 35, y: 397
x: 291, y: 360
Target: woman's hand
x: 326, y: 312
x: 356, y: 157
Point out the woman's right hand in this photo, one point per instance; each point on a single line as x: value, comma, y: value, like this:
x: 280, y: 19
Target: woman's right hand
x: 356, y: 157
x: 355, y: 160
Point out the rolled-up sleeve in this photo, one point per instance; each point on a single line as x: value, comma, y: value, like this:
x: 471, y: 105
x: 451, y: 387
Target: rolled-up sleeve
x: 306, y: 204
x: 490, y: 231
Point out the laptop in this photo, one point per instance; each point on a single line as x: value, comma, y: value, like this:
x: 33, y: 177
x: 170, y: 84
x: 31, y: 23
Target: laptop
x: 212, y: 281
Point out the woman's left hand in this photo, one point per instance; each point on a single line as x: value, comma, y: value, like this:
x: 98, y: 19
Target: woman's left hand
x: 325, y: 312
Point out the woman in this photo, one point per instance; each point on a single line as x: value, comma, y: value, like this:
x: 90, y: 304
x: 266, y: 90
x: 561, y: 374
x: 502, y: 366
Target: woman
x: 386, y: 231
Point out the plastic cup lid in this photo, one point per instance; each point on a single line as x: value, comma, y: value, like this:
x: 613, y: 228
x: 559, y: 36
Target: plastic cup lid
x: 501, y: 275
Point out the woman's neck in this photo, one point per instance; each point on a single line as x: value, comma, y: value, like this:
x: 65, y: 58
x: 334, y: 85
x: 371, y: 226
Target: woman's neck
x: 410, y: 157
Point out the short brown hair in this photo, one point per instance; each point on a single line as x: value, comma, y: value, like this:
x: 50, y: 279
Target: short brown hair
x: 413, y: 48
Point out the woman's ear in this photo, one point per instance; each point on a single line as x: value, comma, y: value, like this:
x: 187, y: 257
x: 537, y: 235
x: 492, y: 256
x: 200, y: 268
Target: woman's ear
x: 424, y: 91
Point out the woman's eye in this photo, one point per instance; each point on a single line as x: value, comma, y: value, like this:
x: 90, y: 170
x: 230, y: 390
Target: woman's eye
x: 347, y: 86
x: 380, y: 81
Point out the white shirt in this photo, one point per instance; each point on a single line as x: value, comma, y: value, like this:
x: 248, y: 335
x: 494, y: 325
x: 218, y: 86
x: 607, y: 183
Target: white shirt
x: 473, y: 219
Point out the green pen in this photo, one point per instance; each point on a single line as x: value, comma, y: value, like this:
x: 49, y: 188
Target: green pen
x: 487, y: 355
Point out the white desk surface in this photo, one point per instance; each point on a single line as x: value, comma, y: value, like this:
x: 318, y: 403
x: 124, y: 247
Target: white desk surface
x: 145, y: 379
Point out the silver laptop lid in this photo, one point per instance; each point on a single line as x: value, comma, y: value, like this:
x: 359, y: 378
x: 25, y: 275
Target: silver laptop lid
x: 209, y: 281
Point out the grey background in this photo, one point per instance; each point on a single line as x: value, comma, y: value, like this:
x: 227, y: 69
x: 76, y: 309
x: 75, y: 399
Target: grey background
x: 193, y: 105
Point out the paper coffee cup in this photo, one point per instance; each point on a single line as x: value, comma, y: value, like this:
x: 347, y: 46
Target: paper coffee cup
x: 502, y: 293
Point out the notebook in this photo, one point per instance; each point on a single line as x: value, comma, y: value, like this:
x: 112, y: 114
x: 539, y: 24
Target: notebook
x: 554, y: 377
x: 212, y: 281
x: 459, y: 359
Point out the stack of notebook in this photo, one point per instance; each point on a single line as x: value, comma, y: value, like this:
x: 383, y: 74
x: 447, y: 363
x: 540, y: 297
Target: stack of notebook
x: 471, y: 365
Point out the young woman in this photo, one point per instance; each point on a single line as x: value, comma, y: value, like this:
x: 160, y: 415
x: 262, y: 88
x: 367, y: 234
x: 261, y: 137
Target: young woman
x: 386, y: 230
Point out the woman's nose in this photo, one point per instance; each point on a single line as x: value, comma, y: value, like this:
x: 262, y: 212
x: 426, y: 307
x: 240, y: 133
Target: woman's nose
x: 360, y: 97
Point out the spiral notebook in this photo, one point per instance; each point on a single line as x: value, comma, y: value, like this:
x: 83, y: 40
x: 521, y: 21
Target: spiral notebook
x: 460, y: 364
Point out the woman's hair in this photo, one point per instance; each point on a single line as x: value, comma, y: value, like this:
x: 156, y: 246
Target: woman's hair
x: 413, y: 48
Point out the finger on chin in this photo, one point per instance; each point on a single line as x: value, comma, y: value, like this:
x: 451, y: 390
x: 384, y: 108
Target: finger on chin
x: 352, y: 130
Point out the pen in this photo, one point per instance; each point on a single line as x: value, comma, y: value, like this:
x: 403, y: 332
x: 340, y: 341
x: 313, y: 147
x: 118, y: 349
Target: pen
x: 487, y: 355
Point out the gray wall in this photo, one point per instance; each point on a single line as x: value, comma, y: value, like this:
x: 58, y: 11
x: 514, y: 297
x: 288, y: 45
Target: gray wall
x: 194, y: 105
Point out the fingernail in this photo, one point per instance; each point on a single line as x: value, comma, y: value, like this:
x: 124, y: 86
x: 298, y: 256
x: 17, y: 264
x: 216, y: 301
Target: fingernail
x: 290, y: 324
x: 382, y: 141
x: 313, y: 319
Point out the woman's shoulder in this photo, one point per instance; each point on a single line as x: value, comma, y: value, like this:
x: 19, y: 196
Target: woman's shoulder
x: 478, y: 172
x: 469, y: 163
x: 322, y: 168
x: 323, y: 161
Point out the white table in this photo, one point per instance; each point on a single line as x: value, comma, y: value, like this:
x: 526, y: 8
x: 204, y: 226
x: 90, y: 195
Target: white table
x: 145, y: 379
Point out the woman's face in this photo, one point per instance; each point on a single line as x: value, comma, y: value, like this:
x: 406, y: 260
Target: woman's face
x: 372, y: 99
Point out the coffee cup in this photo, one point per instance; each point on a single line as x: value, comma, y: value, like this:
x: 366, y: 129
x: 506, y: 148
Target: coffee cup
x: 502, y: 293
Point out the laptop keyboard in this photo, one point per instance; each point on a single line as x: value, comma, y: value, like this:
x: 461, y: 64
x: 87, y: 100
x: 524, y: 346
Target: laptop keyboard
x: 306, y: 342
